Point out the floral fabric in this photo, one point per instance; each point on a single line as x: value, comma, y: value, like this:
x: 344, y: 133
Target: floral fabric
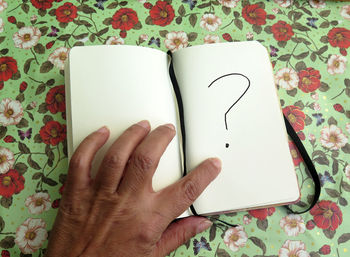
x: 309, y: 45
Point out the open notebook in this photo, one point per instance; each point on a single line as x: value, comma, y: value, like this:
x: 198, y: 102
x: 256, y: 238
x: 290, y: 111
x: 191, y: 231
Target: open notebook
x: 231, y: 111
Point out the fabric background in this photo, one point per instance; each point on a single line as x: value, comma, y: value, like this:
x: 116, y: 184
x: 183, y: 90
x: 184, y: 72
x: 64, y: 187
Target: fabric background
x: 308, y: 42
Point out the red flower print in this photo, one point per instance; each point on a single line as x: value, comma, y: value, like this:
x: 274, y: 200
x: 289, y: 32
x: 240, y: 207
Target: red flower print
x: 309, y: 80
x: 9, y: 139
x: 147, y: 5
x: 282, y: 31
x: 12, y: 19
x: 124, y: 19
x: 162, y: 13
x: 295, y: 154
x: 310, y: 225
x: 122, y: 34
x: 343, y: 52
x: 55, y: 204
x: 227, y: 37
x: 66, y: 13
x: 61, y: 189
x: 50, y: 44
x: 55, y: 99
x: 327, y: 215
x: 254, y: 14
x: 338, y: 108
x: 325, y: 249
x: 339, y: 37
x: 11, y: 183
x: 23, y: 86
x: 295, y: 116
x: 42, y: 4
x: 261, y: 214
x: 53, y: 132
x: 5, y: 253
x: 8, y: 67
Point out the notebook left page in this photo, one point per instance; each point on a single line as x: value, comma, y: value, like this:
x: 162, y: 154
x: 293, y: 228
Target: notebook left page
x: 118, y: 86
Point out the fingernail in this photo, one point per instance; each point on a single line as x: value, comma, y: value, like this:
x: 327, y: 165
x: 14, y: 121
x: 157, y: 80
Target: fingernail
x: 103, y: 129
x: 144, y: 124
x: 216, y: 162
x: 204, y: 225
x: 169, y: 125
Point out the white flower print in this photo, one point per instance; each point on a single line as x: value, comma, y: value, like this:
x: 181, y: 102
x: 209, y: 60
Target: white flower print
x: 293, y: 224
x: 115, y: 41
x: 3, y: 5
x: 210, y: 22
x: 336, y: 64
x: 6, y: 160
x: 31, y: 235
x: 38, y: 203
x: 345, y: 12
x: 26, y: 37
x: 235, y: 238
x: 333, y: 138
x: 318, y: 4
x: 176, y: 40
x: 229, y: 3
x: 1, y: 25
x: 59, y: 56
x: 347, y: 171
x: 284, y: 3
x: 287, y: 78
x: 11, y: 112
x: 210, y: 39
x: 293, y: 249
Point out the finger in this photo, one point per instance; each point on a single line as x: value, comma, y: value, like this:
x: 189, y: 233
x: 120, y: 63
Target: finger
x: 80, y: 163
x: 144, y: 161
x: 114, y: 162
x: 180, y: 232
x: 176, y: 198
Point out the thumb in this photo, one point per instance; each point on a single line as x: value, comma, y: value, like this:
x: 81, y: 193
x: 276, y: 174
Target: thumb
x: 179, y: 232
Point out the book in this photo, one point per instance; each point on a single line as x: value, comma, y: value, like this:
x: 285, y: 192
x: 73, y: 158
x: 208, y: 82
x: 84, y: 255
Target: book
x: 230, y: 105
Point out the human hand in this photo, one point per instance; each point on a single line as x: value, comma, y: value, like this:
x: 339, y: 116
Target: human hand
x: 117, y: 213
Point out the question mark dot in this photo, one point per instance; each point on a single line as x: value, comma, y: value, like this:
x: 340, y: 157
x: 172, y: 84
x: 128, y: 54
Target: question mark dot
x: 227, y: 145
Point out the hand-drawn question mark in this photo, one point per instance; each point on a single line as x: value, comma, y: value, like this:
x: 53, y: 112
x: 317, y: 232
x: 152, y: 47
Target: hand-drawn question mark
x: 229, y: 109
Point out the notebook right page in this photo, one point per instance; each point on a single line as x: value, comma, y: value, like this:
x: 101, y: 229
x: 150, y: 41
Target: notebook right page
x: 232, y: 111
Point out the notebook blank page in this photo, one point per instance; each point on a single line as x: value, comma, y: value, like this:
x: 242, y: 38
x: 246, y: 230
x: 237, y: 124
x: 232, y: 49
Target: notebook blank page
x: 257, y: 166
x: 118, y: 86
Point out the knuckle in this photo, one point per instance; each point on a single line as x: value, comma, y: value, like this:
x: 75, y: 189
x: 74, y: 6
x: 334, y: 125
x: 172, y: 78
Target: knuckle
x: 191, y: 190
x: 149, y: 235
x: 114, y: 161
x: 106, y: 197
x: 114, y: 207
x: 166, y: 130
x: 142, y: 162
x: 181, y: 236
x: 146, y: 236
x: 71, y: 209
x: 78, y: 161
x: 90, y: 139
x: 134, y: 129
x: 210, y: 167
x: 75, y: 203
